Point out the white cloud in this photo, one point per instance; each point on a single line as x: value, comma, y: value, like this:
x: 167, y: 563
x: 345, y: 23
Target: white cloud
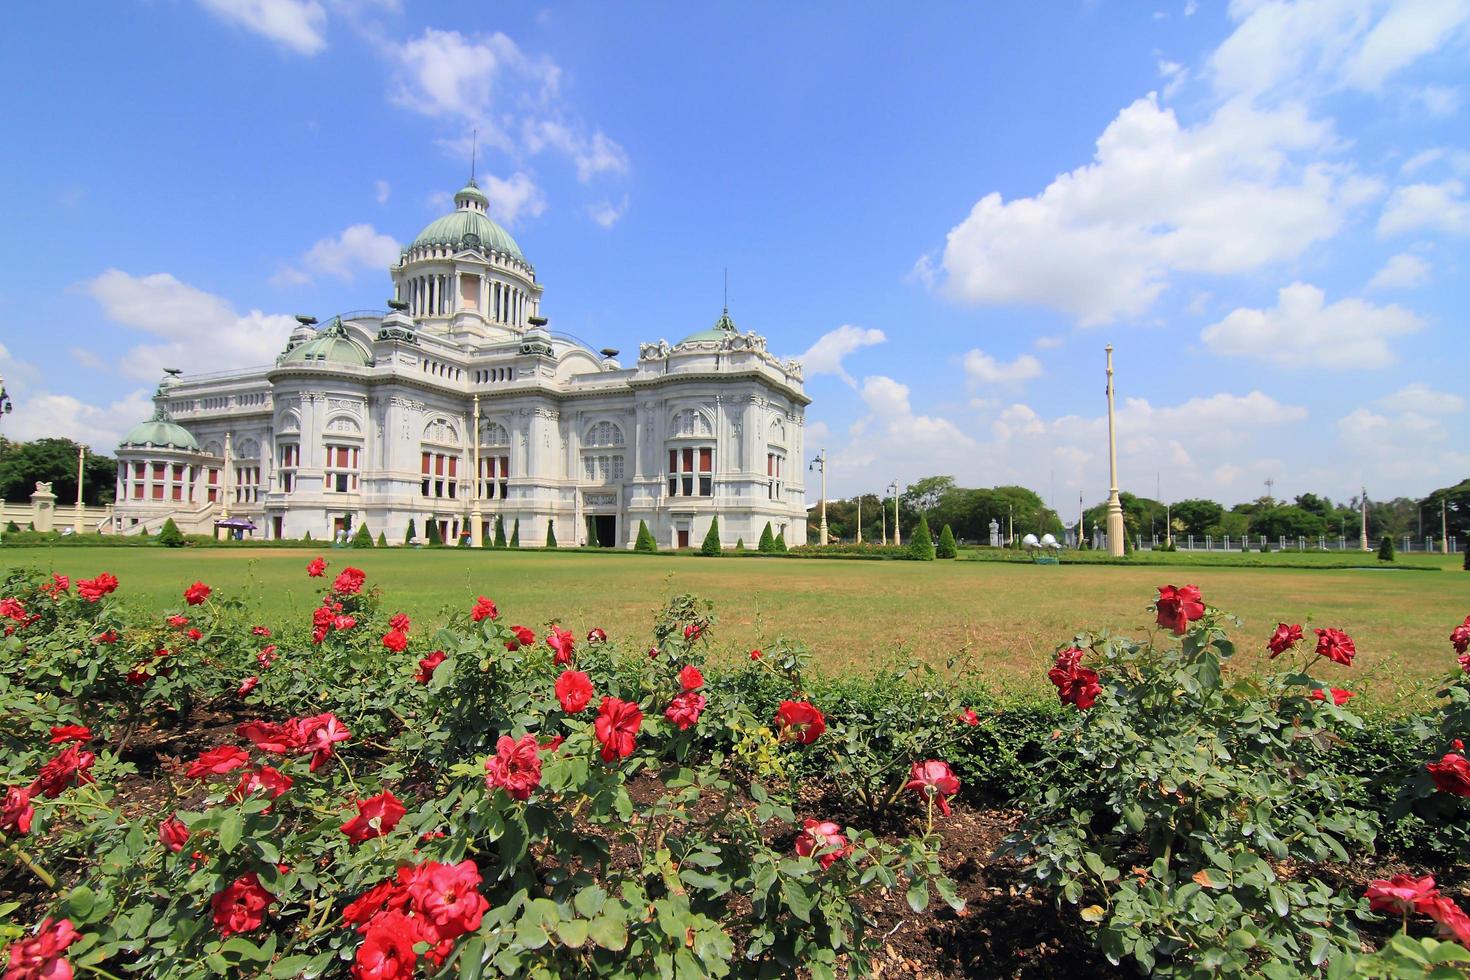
x: 1423, y: 400
x: 197, y: 331
x: 48, y: 415
x: 606, y: 213
x: 1438, y: 100
x: 1302, y: 332
x: 1402, y: 271
x: 827, y: 354
x: 1404, y: 448
x: 90, y: 359
x: 1101, y: 242
x: 592, y: 155
x: 293, y: 24
x: 982, y: 368
x: 381, y: 190
x: 513, y: 198
x: 358, y: 247
x: 1439, y: 207
x: 1049, y: 343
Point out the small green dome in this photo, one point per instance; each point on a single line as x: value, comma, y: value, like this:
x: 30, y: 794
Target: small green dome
x: 469, y: 227
x: 724, y: 327
x: 330, y: 345
x: 160, y: 431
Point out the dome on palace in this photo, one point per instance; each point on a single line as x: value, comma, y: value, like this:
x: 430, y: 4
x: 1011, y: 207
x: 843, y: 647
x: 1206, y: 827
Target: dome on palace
x: 724, y: 327
x: 469, y: 227
x: 330, y: 344
x: 160, y: 431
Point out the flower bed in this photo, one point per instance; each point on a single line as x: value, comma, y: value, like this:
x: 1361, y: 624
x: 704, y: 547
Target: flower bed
x: 197, y: 793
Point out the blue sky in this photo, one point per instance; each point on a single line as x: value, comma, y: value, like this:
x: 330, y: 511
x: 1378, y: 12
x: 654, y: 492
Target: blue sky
x: 1263, y: 206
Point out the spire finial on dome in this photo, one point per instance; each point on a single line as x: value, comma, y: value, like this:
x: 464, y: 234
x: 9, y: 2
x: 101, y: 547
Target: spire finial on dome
x: 474, y: 148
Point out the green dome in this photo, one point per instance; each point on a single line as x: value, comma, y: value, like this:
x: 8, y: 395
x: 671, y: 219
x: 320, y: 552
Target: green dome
x: 160, y: 431
x: 469, y: 227
x: 331, y: 344
x: 724, y: 327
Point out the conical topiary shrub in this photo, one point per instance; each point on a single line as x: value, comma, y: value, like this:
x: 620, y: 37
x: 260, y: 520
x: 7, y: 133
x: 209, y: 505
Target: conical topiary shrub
x: 739, y: 544
x: 767, y: 544
x: 1385, y: 549
x: 410, y: 532
x: 499, y: 531
x: 432, y: 527
x: 711, y: 546
x: 550, y: 534
x: 946, y: 547
x: 382, y: 539
x: 778, y: 544
x: 923, y: 544
x: 515, y: 534
x: 169, y: 535
x: 645, y: 542
x: 363, y: 538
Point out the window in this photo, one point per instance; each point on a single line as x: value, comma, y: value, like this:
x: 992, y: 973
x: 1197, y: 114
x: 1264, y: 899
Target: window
x: 691, y: 423
x: 494, y: 474
x: 341, y: 469
x: 602, y: 469
x: 140, y: 476
x: 440, y: 475
x: 691, y: 468
x: 212, y: 491
x: 775, y: 472
x: 247, y: 484
x: 604, y: 434
x: 289, y: 458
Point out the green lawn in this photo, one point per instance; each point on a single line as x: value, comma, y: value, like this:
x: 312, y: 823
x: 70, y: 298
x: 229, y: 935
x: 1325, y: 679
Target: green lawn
x: 851, y: 613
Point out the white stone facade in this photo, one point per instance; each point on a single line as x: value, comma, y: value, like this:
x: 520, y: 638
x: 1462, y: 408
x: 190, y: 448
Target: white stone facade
x: 460, y: 406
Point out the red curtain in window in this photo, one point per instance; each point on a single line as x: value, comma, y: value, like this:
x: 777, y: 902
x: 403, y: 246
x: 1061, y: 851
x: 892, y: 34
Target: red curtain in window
x: 688, y: 461
x: 453, y: 465
x: 425, y: 469
x: 706, y: 460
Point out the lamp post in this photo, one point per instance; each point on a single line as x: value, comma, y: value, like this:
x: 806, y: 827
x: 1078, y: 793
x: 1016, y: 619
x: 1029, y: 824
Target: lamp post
x: 81, y: 471
x: 820, y: 463
x: 1115, y: 505
x: 860, y: 519
x: 1363, y: 538
x: 477, y: 533
x: 1444, y: 526
x: 883, y: 512
x: 897, y: 538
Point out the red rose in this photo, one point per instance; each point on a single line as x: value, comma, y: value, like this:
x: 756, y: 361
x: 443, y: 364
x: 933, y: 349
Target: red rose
x: 1461, y: 636
x: 173, y: 834
x: 316, y: 567
x: 376, y: 816
x: 617, y: 728
x: 108, y: 637
x: 1283, y: 639
x: 343, y: 623
x: 1339, y: 696
x: 41, y: 957
x: 387, y: 950
x: 246, y: 686
x: 515, y: 767
x: 349, y: 582
x: 260, y: 631
x: 1450, y: 919
x: 1336, y: 646
x: 266, y: 779
x: 319, y: 734
x: 274, y: 737
x: 692, y: 632
x: 266, y: 657
x: 523, y: 636
x: 427, y: 665
x: 969, y: 717
x: 824, y: 840
x: 196, y: 593
x: 596, y: 635
x: 57, y: 587
x: 1178, y: 607
x: 800, y: 721
x: 218, y: 761
x: 382, y: 897
x: 70, y: 733
x: 395, y: 640
x: 934, y: 780
x: 195, y: 635
x: 241, y: 906
x: 178, y: 622
x: 94, y: 589
x: 1075, y: 683
x: 690, y: 678
x: 563, y: 643
x: 1451, y: 774
x: 399, y: 621
x: 1401, y: 894
x: 16, y: 811
x: 484, y: 609
x: 448, y: 896
x: 71, y: 765
x: 573, y: 690
x: 684, y: 710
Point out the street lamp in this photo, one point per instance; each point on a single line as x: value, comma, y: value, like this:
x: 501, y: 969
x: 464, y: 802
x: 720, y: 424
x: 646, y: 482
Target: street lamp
x: 5, y: 406
x: 893, y: 489
x: 820, y: 463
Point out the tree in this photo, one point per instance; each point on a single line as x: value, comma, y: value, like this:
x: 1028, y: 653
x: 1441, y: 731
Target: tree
x: 592, y: 539
x: 1287, y: 522
x: 515, y: 534
x: 382, y: 539
x: 946, y: 547
x: 363, y: 538
x: 711, y: 544
x: 54, y: 461
x: 306, y: 536
x: 499, y: 532
x: 922, y: 547
x: 411, y: 532
x: 645, y: 542
x: 767, y: 543
x: 778, y: 546
x: 1385, y: 548
x: 170, y: 536
x: 432, y: 527
x: 1196, y: 516
x: 740, y: 546
x: 550, y: 533
x: 925, y: 494
x: 1467, y: 554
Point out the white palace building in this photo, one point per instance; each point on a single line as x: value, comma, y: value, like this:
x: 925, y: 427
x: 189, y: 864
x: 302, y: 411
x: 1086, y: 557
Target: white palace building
x: 458, y: 406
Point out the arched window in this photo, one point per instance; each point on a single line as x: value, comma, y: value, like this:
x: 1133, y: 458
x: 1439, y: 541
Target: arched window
x: 691, y: 423
x: 603, y: 434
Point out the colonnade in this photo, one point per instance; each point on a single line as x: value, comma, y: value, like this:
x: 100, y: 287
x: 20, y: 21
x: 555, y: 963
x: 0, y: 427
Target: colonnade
x: 436, y: 295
